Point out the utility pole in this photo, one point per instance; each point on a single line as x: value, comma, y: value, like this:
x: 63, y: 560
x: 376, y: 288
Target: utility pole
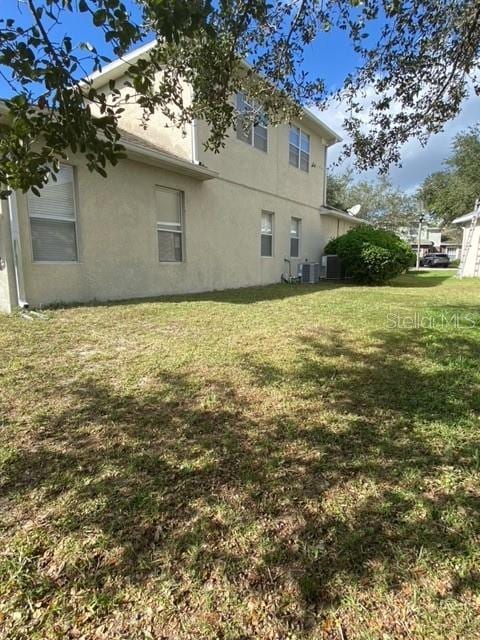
x: 419, y: 238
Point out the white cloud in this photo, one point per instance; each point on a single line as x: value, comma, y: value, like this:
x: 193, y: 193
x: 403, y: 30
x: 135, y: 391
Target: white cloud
x: 417, y: 161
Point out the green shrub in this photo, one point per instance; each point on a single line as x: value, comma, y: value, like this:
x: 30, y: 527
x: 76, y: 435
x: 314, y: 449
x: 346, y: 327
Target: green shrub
x: 454, y: 263
x: 371, y: 256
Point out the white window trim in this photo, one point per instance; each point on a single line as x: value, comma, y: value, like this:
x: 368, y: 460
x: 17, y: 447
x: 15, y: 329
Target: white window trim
x: 270, y: 235
x: 299, y: 237
x: 45, y: 216
x: 299, y: 148
x: 180, y: 232
x: 252, y: 142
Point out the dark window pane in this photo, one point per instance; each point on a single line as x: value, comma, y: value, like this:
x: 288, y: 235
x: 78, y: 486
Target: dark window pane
x: 169, y: 246
x: 293, y: 156
x: 304, y: 161
x: 260, y: 138
x: 177, y: 246
x: 266, y: 248
x: 53, y: 240
x: 294, y: 247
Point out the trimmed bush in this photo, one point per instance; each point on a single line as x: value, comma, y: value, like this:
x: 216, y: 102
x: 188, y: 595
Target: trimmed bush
x: 371, y: 256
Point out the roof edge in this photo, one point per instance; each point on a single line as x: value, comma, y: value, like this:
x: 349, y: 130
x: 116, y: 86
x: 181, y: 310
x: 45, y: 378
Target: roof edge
x: 117, y: 67
x: 341, y: 215
x: 315, y: 120
x: 465, y: 218
x: 167, y: 161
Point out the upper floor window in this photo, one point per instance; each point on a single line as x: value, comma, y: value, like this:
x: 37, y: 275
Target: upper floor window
x: 169, y: 224
x: 53, y: 219
x: 251, y: 123
x: 266, y: 248
x: 299, y: 149
x: 295, y: 237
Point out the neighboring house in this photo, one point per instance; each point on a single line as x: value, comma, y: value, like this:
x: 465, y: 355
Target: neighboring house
x: 171, y: 218
x: 470, y: 224
x: 430, y: 238
x: 452, y: 249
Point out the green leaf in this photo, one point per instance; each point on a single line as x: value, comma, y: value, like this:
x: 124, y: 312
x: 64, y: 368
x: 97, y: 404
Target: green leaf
x: 99, y: 17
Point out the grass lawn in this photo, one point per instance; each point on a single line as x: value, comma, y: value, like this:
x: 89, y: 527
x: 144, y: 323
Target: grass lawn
x: 281, y: 462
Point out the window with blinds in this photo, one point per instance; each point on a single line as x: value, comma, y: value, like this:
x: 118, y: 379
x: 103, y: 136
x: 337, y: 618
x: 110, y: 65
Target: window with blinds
x: 53, y: 219
x: 169, y: 203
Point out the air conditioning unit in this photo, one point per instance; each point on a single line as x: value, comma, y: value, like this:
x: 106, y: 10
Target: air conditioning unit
x: 332, y: 268
x: 309, y: 272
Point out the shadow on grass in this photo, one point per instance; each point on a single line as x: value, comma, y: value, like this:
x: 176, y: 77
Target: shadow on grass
x: 420, y: 279
x: 191, y: 486
x: 266, y: 293
x: 242, y: 296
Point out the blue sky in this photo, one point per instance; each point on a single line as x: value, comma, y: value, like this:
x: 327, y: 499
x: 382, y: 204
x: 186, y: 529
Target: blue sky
x: 329, y: 57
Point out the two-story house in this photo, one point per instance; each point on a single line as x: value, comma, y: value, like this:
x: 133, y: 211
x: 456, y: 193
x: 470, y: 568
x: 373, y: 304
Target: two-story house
x: 430, y: 238
x: 171, y: 218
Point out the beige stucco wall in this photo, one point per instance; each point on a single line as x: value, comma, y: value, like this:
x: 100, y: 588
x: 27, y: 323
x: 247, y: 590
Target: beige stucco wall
x: 333, y: 227
x: 7, y: 274
x: 116, y: 225
x: 241, y: 163
x: 118, y: 254
x: 238, y: 161
x: 471, y: 257
x: 160, y: 130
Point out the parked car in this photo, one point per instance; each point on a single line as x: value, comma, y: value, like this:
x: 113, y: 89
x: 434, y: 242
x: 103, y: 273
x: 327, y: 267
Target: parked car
x: 435, y: 260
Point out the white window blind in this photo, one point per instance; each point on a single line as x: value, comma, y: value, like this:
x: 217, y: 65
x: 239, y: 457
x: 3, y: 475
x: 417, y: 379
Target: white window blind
x: 169, y: 203
x: 266, y: 242
x: 295, y: 237
x: 251, y: 123
x: 53, y: 219
x: 299, y: 149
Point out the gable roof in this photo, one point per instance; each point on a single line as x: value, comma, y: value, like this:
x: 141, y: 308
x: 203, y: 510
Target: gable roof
x: 119, y: 67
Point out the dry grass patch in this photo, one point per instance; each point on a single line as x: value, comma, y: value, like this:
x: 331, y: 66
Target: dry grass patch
x: 281, y: 462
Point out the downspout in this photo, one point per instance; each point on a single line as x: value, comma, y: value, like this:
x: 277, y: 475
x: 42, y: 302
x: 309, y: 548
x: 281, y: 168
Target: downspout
x: 195, y: 142
x: 17, y: 250
x: 194, y: 133
x: 325, y: 149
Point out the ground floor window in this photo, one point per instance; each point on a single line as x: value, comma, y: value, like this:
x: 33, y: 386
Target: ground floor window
x: 53, y: 219
x: 295, y: 237
x: 169, y: 203
x: 266, y: 246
